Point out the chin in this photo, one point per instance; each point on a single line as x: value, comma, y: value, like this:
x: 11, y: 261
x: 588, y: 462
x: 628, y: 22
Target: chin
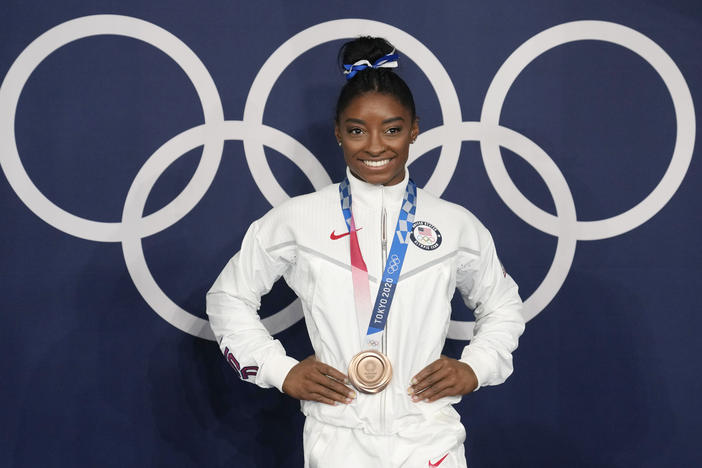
x: 378, y: 178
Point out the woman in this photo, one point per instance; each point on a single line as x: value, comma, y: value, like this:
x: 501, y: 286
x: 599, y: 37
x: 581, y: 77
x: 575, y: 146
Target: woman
x: 377, y: 391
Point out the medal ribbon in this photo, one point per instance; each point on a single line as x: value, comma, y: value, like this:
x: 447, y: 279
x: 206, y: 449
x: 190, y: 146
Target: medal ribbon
x: 393, y: 264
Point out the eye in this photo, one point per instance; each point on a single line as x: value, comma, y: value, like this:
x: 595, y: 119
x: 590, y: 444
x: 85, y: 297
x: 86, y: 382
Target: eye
x: 393, y: 130
x: 354, y: 131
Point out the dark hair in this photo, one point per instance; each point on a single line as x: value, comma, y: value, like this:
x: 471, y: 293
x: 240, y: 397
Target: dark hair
x: 380, y: 80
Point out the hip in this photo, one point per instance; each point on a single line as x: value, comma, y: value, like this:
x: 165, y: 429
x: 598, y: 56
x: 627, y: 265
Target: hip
x: 436, y: 440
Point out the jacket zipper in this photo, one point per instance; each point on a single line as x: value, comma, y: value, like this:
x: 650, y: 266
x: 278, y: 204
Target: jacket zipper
x: 384, y: 254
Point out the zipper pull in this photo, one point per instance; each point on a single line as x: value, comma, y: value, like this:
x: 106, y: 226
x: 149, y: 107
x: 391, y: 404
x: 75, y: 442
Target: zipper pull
x: 383, y: 238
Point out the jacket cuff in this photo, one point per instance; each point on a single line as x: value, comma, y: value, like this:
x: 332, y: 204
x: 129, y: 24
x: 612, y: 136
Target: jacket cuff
x: 275, y: 370
x: 480, y: 366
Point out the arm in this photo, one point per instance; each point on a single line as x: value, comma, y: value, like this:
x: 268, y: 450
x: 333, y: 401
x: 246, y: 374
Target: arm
x: 487, y: 360
x: 232, y: 305
x: 494, y: 298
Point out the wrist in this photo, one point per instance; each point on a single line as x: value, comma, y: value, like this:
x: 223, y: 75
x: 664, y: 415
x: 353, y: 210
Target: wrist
x: 276, y: 369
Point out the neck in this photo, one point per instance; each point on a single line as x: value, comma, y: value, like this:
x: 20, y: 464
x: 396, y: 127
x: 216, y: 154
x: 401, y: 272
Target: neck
x: 390, y: 183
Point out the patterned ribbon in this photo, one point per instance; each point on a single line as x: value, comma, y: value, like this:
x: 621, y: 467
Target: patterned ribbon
x: 393, y: 264
x: 386, y: 61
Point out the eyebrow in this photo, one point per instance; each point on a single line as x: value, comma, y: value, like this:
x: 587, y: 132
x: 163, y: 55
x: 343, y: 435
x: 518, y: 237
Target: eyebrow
x: 386, y: 121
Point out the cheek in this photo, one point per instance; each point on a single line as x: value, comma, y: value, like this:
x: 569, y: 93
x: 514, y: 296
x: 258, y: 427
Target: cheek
x: 350, y: 149
x: 402, y: 148
x: 348, y: 157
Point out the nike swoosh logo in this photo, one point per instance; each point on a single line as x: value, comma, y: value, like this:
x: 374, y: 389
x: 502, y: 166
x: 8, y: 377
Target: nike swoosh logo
x: 333, y: 236
x: 439, y: 462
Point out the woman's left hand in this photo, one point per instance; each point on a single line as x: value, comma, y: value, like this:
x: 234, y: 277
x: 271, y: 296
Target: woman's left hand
x: 443, y: 377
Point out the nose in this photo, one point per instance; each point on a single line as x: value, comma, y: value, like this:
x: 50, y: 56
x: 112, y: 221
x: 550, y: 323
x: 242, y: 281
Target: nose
x: 376, y: 146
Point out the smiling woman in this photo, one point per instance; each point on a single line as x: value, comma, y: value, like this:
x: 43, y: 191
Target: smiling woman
x: 375, y: 131
x: 375, y: 115
x: 377, y: 392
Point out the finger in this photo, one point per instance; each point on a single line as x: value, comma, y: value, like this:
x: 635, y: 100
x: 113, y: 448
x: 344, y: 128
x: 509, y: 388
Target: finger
x: 331, y: 384
x: 322, y: 399
x: 329, y: 371
x: 427, y: 371
x: 331, y: 394
x: 448, y: 391
x: 336, y: 387
x: 430, y: 380
x: 437, y: 390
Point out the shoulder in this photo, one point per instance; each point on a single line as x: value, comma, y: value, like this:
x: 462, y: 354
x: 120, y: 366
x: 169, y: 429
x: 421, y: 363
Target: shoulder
x: 323, y: 199
x: 299, y: 218
x: 459, y: 229
x: 453, y: 214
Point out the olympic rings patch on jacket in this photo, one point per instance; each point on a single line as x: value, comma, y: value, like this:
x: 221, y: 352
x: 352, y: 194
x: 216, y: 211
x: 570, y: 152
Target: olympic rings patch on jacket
x: 425, y: 235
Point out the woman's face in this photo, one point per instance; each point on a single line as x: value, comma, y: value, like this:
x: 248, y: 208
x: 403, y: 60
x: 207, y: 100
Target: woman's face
x: 375, y: 131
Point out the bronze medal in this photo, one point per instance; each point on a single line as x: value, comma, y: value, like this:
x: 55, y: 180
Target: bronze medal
x: 370, y: 371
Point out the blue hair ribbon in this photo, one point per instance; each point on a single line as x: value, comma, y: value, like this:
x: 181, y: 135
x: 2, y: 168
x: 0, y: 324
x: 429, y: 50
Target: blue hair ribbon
x: 386, y: 61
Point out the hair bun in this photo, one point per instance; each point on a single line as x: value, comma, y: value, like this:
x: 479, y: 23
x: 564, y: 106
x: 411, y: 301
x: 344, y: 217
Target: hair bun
x: 367, y: 52
x: 365, y: 62
x: 364, y: 48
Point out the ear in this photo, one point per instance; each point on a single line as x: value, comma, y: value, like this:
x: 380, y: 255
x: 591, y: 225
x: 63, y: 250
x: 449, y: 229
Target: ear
x: 414, y: 131
x: 337, y: 132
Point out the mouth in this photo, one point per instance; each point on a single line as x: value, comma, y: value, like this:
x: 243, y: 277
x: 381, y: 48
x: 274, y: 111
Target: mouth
x: 375, y: 162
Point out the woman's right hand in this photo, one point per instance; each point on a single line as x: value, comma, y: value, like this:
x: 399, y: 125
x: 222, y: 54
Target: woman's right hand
x: 315, y: 381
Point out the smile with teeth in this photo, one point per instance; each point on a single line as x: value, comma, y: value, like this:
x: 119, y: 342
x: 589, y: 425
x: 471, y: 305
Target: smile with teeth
x: 375, y: 162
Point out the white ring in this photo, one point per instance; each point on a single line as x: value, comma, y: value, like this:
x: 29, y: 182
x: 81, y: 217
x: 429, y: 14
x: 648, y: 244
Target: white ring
x: 255, y: 135
x: 136, y: 201
x: 88, y: 26
x: 562, y: 198
x: 340, y: 29
x: 684, y: 115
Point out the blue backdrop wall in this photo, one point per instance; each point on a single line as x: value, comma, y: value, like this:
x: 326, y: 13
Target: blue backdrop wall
x: 138, y: 140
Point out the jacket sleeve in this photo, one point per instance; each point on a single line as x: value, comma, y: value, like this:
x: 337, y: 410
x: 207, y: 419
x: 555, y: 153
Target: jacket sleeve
x: 493, y: 295
x: 232, y: 305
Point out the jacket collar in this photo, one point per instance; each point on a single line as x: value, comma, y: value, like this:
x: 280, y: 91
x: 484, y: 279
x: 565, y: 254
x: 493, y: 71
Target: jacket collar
x: 367, y: 194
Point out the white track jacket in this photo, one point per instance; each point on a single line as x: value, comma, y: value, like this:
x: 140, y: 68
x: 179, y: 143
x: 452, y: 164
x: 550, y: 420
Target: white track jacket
x: 302, y: 240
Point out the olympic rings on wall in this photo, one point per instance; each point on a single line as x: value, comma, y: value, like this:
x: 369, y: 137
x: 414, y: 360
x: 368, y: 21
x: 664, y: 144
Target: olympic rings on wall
x: 254, y: 135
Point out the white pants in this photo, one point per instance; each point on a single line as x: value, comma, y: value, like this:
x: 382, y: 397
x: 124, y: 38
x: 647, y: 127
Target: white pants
x: 437, y: 442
